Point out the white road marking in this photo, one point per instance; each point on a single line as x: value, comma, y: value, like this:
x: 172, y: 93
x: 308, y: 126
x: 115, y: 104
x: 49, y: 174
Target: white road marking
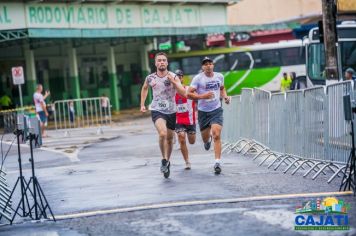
x: 199, y: 202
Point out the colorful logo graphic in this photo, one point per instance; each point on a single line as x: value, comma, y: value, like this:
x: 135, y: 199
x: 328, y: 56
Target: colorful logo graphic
x: 327, y: 214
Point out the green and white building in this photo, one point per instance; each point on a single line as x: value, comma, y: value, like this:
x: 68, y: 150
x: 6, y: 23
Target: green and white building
x: 87, y: 48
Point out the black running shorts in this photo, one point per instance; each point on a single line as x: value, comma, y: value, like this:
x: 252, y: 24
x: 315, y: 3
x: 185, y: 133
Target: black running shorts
x: 169, y: 118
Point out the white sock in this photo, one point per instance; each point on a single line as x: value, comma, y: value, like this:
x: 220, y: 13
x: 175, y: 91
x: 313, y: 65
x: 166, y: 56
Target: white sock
x: 217, y: 161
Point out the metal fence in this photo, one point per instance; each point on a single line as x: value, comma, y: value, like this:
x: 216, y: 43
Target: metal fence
x: 82, y: 113
x: 5, y: 193
x: 301, y: 130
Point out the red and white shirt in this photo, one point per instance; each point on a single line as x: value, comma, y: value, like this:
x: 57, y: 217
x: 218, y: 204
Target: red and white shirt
x: 185, y: 110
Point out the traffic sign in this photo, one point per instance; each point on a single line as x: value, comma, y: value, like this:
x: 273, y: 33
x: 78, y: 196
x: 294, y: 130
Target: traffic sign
x: 17, y: 75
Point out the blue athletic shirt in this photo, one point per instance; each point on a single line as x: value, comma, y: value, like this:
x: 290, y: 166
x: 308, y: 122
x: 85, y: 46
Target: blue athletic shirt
x: 203, y: 84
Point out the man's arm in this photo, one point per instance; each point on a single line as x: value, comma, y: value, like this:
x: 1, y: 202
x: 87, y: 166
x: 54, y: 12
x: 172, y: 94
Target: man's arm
x: 144, y: 92
x: 191, y: 94
x: 223, y: 94
x: 177, y: 84
x: 47, y: 93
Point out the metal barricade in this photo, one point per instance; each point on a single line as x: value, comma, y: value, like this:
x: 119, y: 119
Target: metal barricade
x: 314, y: 124
x: 261, y: 115
x: 82, y: 113
x: 302, y: 130
x: 294, y: 131
x: 337, y: 132
x: 231, y: 120
x: 5, y: 193
x: 277, y: 129
x: 8, y: 120
x: 247, y: 128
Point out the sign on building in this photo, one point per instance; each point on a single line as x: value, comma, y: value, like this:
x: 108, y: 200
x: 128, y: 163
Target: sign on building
x: 17, y: 75
x: 346, y: 6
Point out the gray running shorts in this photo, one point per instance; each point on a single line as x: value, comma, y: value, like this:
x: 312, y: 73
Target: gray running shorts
x: 206, y: 119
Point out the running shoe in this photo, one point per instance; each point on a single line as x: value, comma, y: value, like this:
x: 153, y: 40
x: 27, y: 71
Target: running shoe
x: 208, y: 144
x: 217, y: 168
x: 188, y: 166
x: 167, y: 173
x: 164, y: 166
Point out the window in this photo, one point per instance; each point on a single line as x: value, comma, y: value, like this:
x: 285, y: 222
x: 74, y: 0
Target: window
x: 316, y: 61
x: 220, y: 64
x: 267, y: 58
x: 174, y: 65
x: 348, y: 55
x: 191, y: 65
x: 239, y: 61
x: 292, y: 56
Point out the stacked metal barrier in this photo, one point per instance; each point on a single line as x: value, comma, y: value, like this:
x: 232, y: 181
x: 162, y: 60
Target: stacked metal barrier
x: 8, y: 120
x: 81, y: 113
x: 300, y: 130
x: 5, y: 193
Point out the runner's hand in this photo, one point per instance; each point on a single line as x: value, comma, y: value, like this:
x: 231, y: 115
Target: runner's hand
x: 227, y: 99
x: 143, y: 109
x: 209, y: 95
x: 171, y: 78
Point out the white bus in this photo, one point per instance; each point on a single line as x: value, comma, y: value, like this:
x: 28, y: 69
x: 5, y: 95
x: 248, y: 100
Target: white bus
x: 258, y: 65
x: 315, y: 51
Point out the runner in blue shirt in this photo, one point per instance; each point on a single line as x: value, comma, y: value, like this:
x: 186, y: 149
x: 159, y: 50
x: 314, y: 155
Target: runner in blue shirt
x: 209, y: 86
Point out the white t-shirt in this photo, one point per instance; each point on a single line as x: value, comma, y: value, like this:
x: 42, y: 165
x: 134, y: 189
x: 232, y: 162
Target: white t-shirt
x: 163, y: 93
x: 38, y: 99
x: 104, y: 102
x: 204, y: 84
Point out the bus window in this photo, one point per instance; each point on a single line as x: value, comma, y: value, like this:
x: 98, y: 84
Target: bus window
x: 348, y: 55
x: 174, y: 65
x: 292, y: 56
x: 316, y: 61
x: 267, y: 58
x: 191, y: 65
x: 220, y: 64
x: 239, y: 61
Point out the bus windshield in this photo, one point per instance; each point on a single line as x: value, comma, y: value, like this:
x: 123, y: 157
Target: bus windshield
x: 316, y: 59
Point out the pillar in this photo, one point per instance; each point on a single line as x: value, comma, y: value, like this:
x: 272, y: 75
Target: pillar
x: 30, y: 74
x: 228, y: 42
x: 113, y: 79
x: 73, y: 72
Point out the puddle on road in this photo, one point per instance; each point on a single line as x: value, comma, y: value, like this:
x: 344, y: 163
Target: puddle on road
x: 33, y: 230
x: 212, y: 211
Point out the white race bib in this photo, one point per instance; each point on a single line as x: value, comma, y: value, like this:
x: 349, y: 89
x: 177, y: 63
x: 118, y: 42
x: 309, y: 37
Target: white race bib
x: 181, y: 108
x: 163, y: 104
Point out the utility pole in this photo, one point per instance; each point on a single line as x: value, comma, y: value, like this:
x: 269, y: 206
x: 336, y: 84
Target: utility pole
x: 330, y: 39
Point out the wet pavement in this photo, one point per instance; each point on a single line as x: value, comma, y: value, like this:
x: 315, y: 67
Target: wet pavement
x: 89, y: 173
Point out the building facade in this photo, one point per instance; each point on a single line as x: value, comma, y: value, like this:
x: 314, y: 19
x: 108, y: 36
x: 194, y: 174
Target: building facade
x: 89, y: 48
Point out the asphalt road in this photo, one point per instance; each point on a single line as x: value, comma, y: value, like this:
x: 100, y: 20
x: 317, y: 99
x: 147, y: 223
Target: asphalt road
x: 110, y: 184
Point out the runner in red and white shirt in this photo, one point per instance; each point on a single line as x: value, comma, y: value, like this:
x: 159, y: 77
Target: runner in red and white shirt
x: 185, y: 121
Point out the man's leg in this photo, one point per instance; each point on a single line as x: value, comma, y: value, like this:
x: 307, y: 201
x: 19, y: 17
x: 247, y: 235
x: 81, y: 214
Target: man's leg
x: 205, y: 134
x: 183, y: 146
x: 216, y: 132
x: 160, y: 125
x: 191, y: 138
x: 169, y: 143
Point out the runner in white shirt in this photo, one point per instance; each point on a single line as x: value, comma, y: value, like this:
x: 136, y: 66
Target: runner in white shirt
x: 40, y: 106
x: 165, y: 85
x: 209, y: 86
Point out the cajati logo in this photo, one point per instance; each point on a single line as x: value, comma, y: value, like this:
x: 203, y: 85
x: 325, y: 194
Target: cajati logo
x: 322, y: 214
